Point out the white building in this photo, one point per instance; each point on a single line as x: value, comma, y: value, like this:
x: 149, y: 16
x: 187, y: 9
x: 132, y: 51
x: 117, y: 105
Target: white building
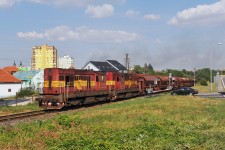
x: 9, y: 85
x: 66, y: 62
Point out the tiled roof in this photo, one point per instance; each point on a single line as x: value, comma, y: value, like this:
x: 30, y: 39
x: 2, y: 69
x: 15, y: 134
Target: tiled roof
x: 103, y: 66
x: 5, y: 77
x: 10, y: 69
x: 26, y: 75
x: 117, y: 65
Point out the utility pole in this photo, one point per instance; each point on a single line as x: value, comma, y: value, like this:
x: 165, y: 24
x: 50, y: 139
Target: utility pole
x: 194, y: 76
x: 127, y: 61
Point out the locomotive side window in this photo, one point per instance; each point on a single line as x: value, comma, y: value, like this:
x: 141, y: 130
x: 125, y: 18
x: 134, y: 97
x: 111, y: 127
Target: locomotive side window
x: 71, y: 81
x: 118, y: 79
x: 61, y: 78
x: 67, y: 80
x: 97, y: 79
x: 76, y: 78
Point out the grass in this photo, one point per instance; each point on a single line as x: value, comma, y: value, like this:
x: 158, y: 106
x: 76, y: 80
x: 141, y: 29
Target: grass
x: 10, y: 110
x: 165, y: 122
x: 5, y: 110
x: 206, y: 89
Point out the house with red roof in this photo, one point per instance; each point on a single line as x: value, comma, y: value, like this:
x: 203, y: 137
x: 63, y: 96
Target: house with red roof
x: 9, y: 85
x: 10, y: 69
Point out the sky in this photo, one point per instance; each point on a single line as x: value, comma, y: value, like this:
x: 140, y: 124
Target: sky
x: 170, y: 34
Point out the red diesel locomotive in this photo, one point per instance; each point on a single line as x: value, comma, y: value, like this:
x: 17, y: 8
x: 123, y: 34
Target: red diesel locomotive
x: 64, y: 87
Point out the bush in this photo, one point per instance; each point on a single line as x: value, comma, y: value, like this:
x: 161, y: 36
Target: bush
x: 25, y: 92
x: 203, y: 82
x: 66, y: 121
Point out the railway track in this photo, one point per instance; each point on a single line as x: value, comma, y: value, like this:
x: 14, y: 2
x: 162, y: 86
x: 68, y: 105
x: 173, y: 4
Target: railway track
x: 9, y: 119
x: 19, y: 116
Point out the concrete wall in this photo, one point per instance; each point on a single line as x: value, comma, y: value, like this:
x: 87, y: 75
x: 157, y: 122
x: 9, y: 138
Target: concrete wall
x: 5, y: 89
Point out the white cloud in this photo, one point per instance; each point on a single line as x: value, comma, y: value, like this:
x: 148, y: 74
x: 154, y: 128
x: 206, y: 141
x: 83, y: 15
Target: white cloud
x: 65, y: 33
x: 201, y: 15
x: 7, y: 3
x: 61, y: 33
x: 62, y: 3
x: 32, y: 35
x: 106, y: 10
x: 151, y: 17
x: 131, y: 13
x: 106, y: 36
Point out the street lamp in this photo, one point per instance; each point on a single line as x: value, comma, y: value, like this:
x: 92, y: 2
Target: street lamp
x: 211, y: 68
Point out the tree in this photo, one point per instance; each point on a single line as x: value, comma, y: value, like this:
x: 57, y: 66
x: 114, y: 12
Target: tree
x: 203, y: 74
x: 138, y: 69
x: 203, y: 82
x: 150, y: 67
x: 145, y: 68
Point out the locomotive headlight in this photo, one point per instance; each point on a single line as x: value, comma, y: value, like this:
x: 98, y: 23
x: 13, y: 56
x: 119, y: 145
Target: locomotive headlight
x: 49, y: 104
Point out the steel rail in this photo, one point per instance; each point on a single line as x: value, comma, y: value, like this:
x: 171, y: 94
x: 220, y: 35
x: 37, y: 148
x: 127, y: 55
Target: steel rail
x: 21, y: 115
x: 25, y: 115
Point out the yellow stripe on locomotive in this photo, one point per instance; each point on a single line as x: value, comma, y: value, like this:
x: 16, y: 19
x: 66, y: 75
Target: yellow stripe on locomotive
x: 108, y: 82
x: 54, y: 84
x: 78, y: 84
x: 130, y: 83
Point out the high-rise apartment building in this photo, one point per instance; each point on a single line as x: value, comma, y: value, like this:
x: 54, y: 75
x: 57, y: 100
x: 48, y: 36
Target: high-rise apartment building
x: 66, y: 62
x: 44, y: 57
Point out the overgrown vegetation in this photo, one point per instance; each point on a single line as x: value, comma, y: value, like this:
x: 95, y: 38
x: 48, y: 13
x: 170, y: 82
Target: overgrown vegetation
x: 206, y: 89
x: 165, y: 122
x: 5, y: 110
x: 25, y: 92
x: 203, y: 82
